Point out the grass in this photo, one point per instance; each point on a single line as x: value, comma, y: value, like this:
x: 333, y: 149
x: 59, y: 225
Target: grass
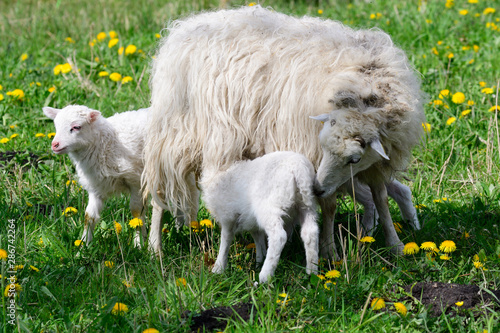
x: 71, y: 289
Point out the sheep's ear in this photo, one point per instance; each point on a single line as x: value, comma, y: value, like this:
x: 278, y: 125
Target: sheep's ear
x: 92, y: 116
x: 322, y: 117
x: 377, y: 146
x: 50, y: 112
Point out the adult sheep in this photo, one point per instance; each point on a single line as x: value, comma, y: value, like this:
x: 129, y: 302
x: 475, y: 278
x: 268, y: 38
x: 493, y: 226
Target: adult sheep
x: 237, y: 84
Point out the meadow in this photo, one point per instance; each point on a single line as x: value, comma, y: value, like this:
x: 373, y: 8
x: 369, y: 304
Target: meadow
x: 98, y: 53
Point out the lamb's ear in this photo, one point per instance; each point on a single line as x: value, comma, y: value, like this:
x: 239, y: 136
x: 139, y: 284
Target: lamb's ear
x: 322, y: 117
x: 377, y: 146
x: 93, y: 116
x: 50, y: 112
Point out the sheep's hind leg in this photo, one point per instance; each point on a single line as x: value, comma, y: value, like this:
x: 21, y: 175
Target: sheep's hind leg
x: 277, y: 238
x: 92, y: 213
x: 402, y: 195
x: 137, y: 209
x: 379, y: 193
x: 155, y: 233
x: 309, y: 232
x: 226, y: 238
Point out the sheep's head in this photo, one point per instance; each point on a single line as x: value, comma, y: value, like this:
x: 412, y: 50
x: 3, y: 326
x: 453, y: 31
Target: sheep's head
x: 73, y: 127
x: 350, y: 140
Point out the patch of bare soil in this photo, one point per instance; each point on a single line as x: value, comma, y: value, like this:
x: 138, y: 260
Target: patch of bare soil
x: 443, y: 296
x: 22, y: 158
x: 215, y: 319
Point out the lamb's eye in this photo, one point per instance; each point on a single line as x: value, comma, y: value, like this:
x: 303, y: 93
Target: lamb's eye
x: 75, y: 128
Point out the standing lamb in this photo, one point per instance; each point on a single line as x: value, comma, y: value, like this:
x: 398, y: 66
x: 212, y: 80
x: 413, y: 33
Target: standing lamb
x: 266, y: 197
x: 107, y: 154
x: 237, y: 84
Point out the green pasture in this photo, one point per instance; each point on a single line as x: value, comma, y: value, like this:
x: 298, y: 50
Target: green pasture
x: 98, y: 53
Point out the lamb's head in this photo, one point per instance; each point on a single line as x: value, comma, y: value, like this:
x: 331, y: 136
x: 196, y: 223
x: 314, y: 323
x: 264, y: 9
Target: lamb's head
x: 73, y: 127
x: 350, y: 141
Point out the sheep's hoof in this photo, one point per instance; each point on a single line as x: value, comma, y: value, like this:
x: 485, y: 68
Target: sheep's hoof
x: 397, y: 249
x: 217, y: 269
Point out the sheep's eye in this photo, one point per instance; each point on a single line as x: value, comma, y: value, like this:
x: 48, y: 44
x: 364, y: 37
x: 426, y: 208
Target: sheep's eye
x: 354, y: 159
x: 75, y: 128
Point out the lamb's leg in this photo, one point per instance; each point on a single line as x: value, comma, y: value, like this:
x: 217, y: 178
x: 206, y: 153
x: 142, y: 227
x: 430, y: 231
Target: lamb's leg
x: 309, y: 232
x: 277, y: 238
x: 259, y: 237
x: 379, y: 193
x: 92, y: 213
x: 363, y: 195
x: 137, y: 209
x: 155, y: 233
x: 402, y: 195
x: 327, y: 240
x: 226, y: 238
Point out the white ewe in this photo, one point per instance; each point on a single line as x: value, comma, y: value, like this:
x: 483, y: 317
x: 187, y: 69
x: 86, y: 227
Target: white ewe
x: 107, y: 154
x: 237, y: 84
x: 265, y: 196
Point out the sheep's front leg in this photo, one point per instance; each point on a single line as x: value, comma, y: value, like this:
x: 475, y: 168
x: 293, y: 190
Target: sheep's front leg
x: 137, y: 209
x: 363, y: 195
x: 226, y: 238
x: 402, y: 195
x: 379, y: 193
x: 277, y: 238
x: 259, y: 238
x: 327, y: 240
x: 92, y: 214
x: 309, y: 232
x: 155, y: 233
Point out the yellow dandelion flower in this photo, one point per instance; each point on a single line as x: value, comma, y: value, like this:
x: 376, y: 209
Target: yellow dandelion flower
x: 367, y: 239
x: 458, y: 98
x: 13, y: 136
x: 400, y: 308
x: 40, y: 242
x: 112, y: 34
x: 4, y: 140
x: 52, y: 89
x: 447, y: 246
x: 494, y: 108
x: 57, y: 69
x: 96, y: 59
x: 126, y: 284
x: 33, y: 268
x: 194, y: 224
x: 12, y: 292
x: 101, y: 36
x: 103, y: 73
x: 1, y: 97
x: 489, y: 10
x: 157, y: 35
x: 251, y: 4
x: 428, y: 246
x: 115, y: 77
x: 24, y: 56
x: 465, y: 112
x: 109, y: 264
x: 477, y: 264
x: 78, y: 242
x: 450, y: 121
x: 482, y: 84
x: 328, y: 284
x: 118, y: 227
x: 463, y: 12
x: 420, y: 206
x: 130, y: 49
x: 476, y: 48
x: 206, y: 223
x: 459, y: 303
x: 69, y: 40
x: 64, y: 68
x: 450, y: 55
x: 150, y: 330
x: 112, y: 42
x: 127, y: 79
x: 411, y: 248
x: 449, y: 3
x: 437, y: 102
x: 180, y: 281
x: 427, y: 127
x: 440, y: 42
x: 18, y: 267
x: 435, y: 51
x: 16, y: 93
x: 377, y: 304
x: 120, y: 50
x: 320, y: 276
x: 3, y: 254
x: 444, y: 257
x: 473, y: 1
x: 39, y: 135
x: 444, y: 93
x: 320, y: 11
x: 119, y: 309
x: 333, y: 274
x: 70, y: 211
x: 465, y: 48
x: 135, y: 222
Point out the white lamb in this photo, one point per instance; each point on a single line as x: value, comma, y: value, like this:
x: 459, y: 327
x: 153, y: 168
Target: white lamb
x: 107, y: 154
x: 236, y: 84
x: 265, y: 196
